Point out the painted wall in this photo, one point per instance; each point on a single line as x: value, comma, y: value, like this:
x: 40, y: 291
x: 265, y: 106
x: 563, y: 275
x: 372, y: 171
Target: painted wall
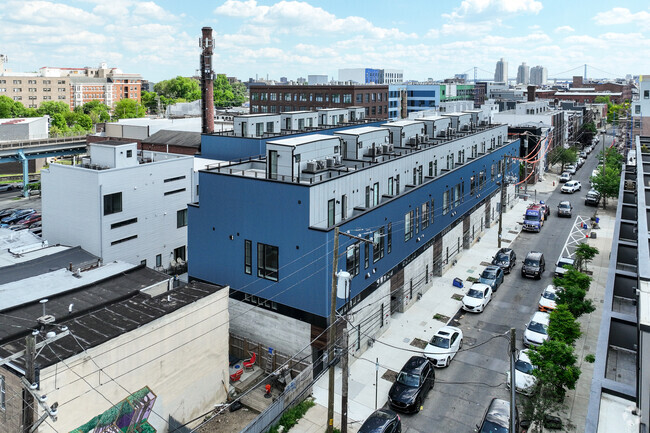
x: 235, y: 208
x: 182, y: 357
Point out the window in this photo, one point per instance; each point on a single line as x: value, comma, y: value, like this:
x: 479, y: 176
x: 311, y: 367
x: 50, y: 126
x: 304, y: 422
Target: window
x: 481, y: 179
x: 124, y: 223
x: 344, y: 206
x: 430, y: 168
x: 397, y: 184
x: 472, y: 185
x: 432, y: 212
x: 408, y: 226
x: 181, y: 218
x: 367, y: 196
x: 119, y: 241
x: 389, y: 238
x: 159, y: 260
x: 18, y: 82
x: 366, y: 254
x: 375, y: 193
x: 445, y: 202
x: 457, y: 195
x: 390, y: 186
x: 112, y: 203
x: 267, y: 262
x: 248, y: 257
x: 331, y: 208
x: 646, y: 94
x: 269, y: 126
x: 129, y: 153
x: 378, y: 245
x: 425, y: 215
x: 352, y: 259
x: 179, y: 253
x: 171, y: 179
x: 176, y: 191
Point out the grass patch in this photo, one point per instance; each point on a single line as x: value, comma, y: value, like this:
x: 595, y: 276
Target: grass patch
x: 291, y: 416
x: 441, y: 317
x: 590, y: 358
x: 457, y: 297
x: 472, y: 279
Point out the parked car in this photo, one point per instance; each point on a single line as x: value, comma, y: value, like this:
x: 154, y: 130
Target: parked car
x: 536, y: 330
x: 412, y: 385
x: 30, y: 219
x: 524, y: 379
x: 477, y: 298
x: 534, y: 265
x: 583, y: 154
x: 382, y: 421
x: 571, y: 186
x: 17, y: 215
x: 592, y: 198
x: 545, y: 208
x: 564, y: 208
x: 547, y: 300
x: 571, y: 169
x: 17, y: 227
x: 565, y: 177
x: 36, y: 228
x: 8, y: 187
x: 581, y: 162
x: 6, y: 212
x: 506, y: 259
x: 561, y: 263
x: 497, y: 418
x: 492, y: 276
x: 444, y: 345
x: 534, y: 218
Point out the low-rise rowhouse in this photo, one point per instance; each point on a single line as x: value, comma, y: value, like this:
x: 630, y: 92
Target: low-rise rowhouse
x: 133, y: 351
x: 121, y: 203
x: 266, y: 225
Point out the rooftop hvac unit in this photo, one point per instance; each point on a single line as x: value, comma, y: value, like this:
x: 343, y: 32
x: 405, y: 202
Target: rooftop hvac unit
x: 412, y: 141
x: 337, y: 159
x: 321, y: 164
x: 46, y: 319
x: 331, y: 162
x: 391, y: 147
x: 425, y: 137
x: 311, y: 166
x: 384, y: 148
x: 630, y: 185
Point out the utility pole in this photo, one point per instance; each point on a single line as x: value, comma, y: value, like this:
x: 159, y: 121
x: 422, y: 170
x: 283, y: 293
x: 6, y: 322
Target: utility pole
x: 513, y: 407
x: 28, y: 398
x: 502, y: 203
x: 526, y: 164
x: 331, y: 335
x: 344, y: 378
x: 604, y: 135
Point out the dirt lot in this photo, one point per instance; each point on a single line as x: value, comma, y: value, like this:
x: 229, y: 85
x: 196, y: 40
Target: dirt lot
x: 229, y: 422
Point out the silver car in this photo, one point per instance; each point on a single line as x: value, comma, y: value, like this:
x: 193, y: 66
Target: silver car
x: 564, y: 209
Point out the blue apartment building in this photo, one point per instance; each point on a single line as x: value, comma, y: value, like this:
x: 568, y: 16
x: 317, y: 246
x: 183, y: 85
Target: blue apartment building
x: 265, y: 226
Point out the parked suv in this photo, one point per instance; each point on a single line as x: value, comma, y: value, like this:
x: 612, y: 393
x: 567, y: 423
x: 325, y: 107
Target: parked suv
x: 506, y: 258
x: 382, y: 421
x: 413, y: 383
x: 497, y: 418
x: 592, y: 198
x: 534, y: 265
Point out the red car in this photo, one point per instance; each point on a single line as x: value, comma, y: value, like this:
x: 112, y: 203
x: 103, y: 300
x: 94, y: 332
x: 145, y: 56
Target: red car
x: 31, y: 219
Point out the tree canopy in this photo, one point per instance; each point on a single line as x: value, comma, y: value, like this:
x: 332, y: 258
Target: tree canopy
x: 10, y: 109
x: 563, y: 325
x: 179, y: 88
x: 128, y: 109
x: 563, y: 156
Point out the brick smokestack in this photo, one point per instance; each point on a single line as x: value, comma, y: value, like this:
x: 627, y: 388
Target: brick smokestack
x: 207, y: 81
x: 531, y: 93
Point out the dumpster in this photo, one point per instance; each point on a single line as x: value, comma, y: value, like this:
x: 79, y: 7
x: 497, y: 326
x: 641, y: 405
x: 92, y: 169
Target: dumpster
x: 458, y: 282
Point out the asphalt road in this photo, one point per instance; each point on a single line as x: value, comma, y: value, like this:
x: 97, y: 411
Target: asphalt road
x: 477, y: 374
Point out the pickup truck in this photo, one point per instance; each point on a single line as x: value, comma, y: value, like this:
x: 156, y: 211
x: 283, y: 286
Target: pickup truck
x: 534, y: 218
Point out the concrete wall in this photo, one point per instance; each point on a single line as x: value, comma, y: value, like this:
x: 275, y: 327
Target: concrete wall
x: 182, y: 357
x: 10, y: 417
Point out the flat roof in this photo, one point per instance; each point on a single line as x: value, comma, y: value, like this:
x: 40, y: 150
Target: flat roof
x: 588, y: 94
x: 332, y: 109
x: 302, y: 139
x: 14, y: 243
x: 18, y: 120
x: 299, y: 112
x: 57, y: 259
x: 114, y: 143
x: 175, y: 138
x: 616, y: 415
x: 473, y: 110
x: 361, y: 131
x: 430, y: 118
x: 404, y: 122
x: 455, y: 114
x: 257, y: 115
x: 99, y: 315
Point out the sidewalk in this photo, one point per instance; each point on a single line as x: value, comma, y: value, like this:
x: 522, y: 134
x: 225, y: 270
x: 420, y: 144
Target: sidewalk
x: 362, y: 387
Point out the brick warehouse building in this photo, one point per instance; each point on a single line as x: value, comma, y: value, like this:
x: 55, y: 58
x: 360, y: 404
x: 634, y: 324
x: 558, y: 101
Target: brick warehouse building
x: 281, y: 98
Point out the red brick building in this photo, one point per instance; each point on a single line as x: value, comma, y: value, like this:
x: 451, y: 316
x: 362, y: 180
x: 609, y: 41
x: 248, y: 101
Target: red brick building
x: 281, y: 98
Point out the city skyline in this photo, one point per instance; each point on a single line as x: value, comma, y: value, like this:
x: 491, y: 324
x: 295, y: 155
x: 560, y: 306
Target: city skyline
x: 159, y: 39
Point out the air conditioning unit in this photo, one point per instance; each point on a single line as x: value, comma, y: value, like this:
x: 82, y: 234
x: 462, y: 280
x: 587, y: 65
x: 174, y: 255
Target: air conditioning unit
x: 46, y: 320
x: 311, y: 166
x: 412, y: 141
x: 630, y: 185
x: 425, y: 137
x: 330, y: 162
x: 391, y: 147
x: 337, y: 159
x: 384, y: 148
x: 321, y: 164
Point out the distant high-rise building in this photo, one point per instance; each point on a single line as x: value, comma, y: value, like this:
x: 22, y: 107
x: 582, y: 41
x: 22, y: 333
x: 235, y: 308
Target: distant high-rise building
x: 501, y: 72
x: 284, y: 80
x: 538, y: 75
x: 316, y: 79
x: 371, y: 75
x: 301, y: 80
x: 523, y: 74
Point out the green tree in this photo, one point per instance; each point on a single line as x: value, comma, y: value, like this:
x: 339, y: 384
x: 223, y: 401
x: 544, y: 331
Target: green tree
x: 10, y: 109
x: 572, y: 289
x: 563, y: 325
x: 179, y: 88
x: 51, y: 108
x: 96, y: 110
x: 240, y: 92
x: 607, y: 183
x: 150, y: 101
x: 58, y: 121
x: 128, y: 109
x: 587, y: 132
x: 585, y: 253
x: 223, y: 93
x: 563, y: 156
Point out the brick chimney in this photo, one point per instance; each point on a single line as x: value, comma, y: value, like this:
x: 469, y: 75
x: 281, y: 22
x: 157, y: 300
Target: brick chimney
x: 207, y: 81
x: 531, y: 93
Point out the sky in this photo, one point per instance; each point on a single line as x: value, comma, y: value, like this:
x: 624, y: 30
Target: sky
x: 426, y: 38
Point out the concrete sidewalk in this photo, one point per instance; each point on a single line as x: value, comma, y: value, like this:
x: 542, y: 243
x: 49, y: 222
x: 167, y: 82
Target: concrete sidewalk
x: 362, y: 388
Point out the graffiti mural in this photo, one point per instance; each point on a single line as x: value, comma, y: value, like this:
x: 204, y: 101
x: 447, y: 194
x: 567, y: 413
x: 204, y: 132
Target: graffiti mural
x: 128, y: 416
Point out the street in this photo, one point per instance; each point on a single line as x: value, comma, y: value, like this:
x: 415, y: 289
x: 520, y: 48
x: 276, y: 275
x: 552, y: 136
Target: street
x: 477, y: 374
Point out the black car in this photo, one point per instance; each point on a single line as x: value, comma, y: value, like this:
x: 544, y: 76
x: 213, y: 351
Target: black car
x: 6, y: 212
x: 413, y: 383
x: 17, y: 215
x: 497, y: 417
x: 534, y: 265
x: 382, y: 421
x: 506, y: 259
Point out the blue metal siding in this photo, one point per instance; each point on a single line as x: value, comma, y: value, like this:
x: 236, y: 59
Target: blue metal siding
x: 269, y: 212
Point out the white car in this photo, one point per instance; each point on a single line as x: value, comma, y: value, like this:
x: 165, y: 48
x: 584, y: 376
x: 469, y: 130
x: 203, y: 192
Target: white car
x: 10, y: 186
x: 524, y: 379
x: 565, y: 177
x: 547, y: 300
x: 571, y: 186
x: 478, y: 296
x: 444, y: 345
x: 536, y: 330
x: 571, y: 169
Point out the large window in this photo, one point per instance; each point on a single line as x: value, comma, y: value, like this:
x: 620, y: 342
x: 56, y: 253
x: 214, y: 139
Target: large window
x: 378, y: 245
x: 179, y: 253
x: 267, y: 262
x: 352, y: 259
x: 331, y: 209
x: 181, y: 218
x: 112, y: 203
x: 445, y: 202
x: 408, y: 226
x: 366, y: 254
x: 389, y: 238
x: 472, y: 185
x: 433, y: 211
x: 425, y: 215
x: 248, y: 257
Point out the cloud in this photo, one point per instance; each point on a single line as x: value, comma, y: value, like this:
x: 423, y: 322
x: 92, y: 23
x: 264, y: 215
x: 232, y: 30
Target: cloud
x: 477, y: 7
x: 621, y: 16
x: 152, y: 11
x: 564, y: 29
x: 44, y: 12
